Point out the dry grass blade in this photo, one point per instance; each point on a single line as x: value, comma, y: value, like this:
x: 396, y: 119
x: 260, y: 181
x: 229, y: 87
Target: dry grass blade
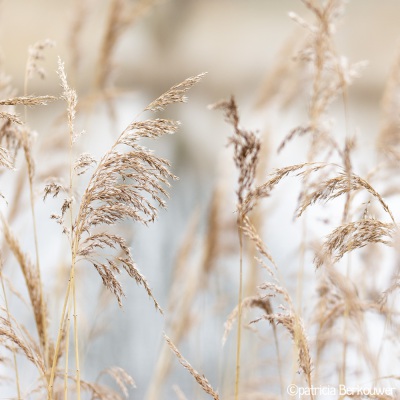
x: 174, y: 95
x: 354, y: 235
x: 200, y: 379
x: 28, y: 101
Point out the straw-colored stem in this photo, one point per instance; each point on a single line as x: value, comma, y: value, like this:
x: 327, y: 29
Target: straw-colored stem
x: 76, y: 342
x: 240, y: 300
x: 58, y: 342
x: 67, y: 328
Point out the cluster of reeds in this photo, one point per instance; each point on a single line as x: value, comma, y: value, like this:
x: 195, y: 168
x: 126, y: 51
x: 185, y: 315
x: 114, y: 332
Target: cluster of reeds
x: 312, y: 329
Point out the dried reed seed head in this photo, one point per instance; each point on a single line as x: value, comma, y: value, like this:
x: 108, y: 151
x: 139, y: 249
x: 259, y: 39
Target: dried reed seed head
x: 249, y: 302
x: 337, y: 186
x: 264, y: 190
x: 176, y: 94
x: 35, y: 55
x: 200, y: 379
x: 53, y: 187
x: 250, y: 231
x: 83, y: 163
x: 5, y: 159
x: 13, y: 118
x: 246, y: 150
x: 70, y: 96
x: 11, y: 340
x: 31, y: 279
x: 28, y: 101
x: 354, y: 235
x: 125, y: 185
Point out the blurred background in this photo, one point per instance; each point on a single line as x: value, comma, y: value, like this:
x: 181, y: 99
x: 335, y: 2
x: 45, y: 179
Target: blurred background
x: 247, y: 48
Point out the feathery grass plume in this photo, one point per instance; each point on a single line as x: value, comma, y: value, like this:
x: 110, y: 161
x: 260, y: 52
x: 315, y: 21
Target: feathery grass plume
x: 338, y: 296
x: 125, y: 184
x: 31, y: 279
x: 28, y: 101
x: 200, y: 379
x: 250, y: 231
x: 246, y: 146
x: 341, y: 184
x: 332, y: 74
x: 176, y: 94
x: 248, y: 302
x: 293, y: 324
x: 295, y: 327
x: 5, y: 159
x: 11, y: 340
x: 8, y: 314
x: 354, y: 235
x: 11, y: 137
x: 122, y: 15
x: 35, y: 55
x: 264, y: 190
x: 10, y: 117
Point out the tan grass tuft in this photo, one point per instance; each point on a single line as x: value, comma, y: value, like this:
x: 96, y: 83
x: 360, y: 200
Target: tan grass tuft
x: 354, y: 235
